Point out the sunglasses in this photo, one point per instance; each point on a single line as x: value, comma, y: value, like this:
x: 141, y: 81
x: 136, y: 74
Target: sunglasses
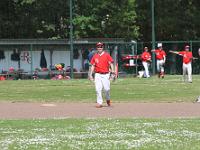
x: 99, y: 46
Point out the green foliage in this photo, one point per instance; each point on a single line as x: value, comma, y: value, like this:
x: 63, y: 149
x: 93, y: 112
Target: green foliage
x: 83, y: 26
x: 174, y: 20
x: 130, y: 19
x: 50, y: 19
x: 27, y: 2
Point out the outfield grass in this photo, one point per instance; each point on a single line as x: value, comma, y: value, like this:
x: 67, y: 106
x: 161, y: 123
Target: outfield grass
x: 112, y: 134
x: 170, y: 89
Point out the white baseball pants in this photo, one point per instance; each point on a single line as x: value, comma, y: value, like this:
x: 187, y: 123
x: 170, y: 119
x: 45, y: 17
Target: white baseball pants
x: 146, y: 68
x: 187, y: 70
x: 160, y: 67
x: 102, y: 82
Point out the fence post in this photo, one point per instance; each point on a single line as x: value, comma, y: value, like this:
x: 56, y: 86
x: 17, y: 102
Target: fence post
x: 71, y: 43
x: 191, y: 46
x: 192, y: 52
x: 31, y: 48
x: 136, y: 59
x: 153, y: 35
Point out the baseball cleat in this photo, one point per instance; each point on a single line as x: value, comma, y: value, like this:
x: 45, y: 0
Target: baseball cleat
x: 99, y: 106
x: 158, y: 75
x: 162, y: 75
x: 198, y: 100
x: 108, y: 102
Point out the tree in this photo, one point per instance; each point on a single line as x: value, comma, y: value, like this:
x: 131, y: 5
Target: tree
x: 174, y: 20
x: 50, y: 19
x: 110, y: 19
x: 130, y: 19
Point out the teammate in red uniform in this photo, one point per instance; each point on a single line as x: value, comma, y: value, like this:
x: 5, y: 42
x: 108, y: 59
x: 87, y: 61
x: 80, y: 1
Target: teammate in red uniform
x: 161, y: 58
x: 146, y: 59
x: 187, y: 63
x: 101, y: 63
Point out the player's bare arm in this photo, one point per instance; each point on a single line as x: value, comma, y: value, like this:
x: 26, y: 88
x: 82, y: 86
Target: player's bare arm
x: 91, y: 72
x: 112, y: 68
x: 194, y: 58
x: 112, y: 72
x: 149, y: 60
x: 175, y: 52
x: 164, y: 58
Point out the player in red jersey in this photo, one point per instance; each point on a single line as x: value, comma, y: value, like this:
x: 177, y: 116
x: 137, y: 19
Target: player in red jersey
x: 146, y: 59
x: 161, y: 58
x: 102, y: 64
x: 187, y: 62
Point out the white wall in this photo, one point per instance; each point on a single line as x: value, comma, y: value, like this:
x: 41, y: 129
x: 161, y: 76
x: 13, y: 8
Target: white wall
x: 25, y: 60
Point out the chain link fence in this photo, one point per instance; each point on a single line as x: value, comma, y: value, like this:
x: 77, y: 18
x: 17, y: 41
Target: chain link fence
x: 26, y: 56
x: 21, y: 57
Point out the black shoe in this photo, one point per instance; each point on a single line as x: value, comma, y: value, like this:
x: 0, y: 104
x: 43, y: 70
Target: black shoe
x: 108, y: 102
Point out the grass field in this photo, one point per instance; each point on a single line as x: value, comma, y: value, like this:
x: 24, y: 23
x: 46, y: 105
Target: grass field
x: 112, y: 134
x: 105, y: 133
x: 170, y: 89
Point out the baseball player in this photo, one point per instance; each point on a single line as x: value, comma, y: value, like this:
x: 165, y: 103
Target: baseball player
x: 187, y: 63
x: 161, y: 58
x: 146, y: 59
x: 102, y: 64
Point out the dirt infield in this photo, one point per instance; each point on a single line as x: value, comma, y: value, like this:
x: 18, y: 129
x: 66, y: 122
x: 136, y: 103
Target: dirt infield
x: 87, y: 110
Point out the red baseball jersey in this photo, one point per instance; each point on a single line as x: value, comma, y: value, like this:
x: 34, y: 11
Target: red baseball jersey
x: 187, y: 56
x: 146, y: 56
x: 101, y: 62
x: 160, y: 54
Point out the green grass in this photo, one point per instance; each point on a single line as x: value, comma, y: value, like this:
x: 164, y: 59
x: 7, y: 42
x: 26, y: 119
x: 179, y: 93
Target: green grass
x: 143, y: 134
x: 170, y: 89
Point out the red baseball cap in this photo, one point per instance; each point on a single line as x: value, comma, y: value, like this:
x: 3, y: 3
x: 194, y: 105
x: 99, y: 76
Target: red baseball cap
x: 99, y: 44
x: 187, y: 46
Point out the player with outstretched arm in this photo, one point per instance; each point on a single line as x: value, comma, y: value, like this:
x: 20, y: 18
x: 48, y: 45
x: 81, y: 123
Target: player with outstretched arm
x: 187, y: 63
x: 160, y: 59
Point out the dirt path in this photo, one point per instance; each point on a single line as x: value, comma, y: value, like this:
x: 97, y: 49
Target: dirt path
x: 83, y: 110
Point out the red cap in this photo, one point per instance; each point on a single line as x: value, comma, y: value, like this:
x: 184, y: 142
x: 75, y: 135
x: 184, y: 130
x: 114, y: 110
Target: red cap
x: 187, y: 47
x: 99, y: 44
